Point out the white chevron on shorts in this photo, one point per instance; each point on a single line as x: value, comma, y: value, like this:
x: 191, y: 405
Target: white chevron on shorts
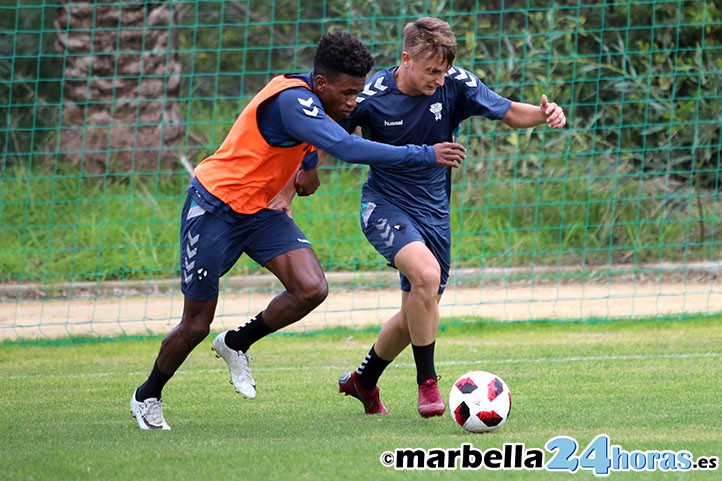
x: 188, y: 262
x: 386, y: 233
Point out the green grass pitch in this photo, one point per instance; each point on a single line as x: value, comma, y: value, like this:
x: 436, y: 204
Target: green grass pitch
x: 648, y: 384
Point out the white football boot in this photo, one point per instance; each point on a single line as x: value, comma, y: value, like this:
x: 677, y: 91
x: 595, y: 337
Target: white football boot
x: 237, y: 361
x: 148, y: 413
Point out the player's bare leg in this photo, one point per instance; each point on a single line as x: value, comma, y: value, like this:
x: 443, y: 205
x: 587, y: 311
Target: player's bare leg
x: 394, y: 336
x: 421, y: 309
x: 421, y: 313
x: 300, y: 273
x: 178, y: 344
x: 145, y: 403
x: 181, y: 340
x: 416, y: 323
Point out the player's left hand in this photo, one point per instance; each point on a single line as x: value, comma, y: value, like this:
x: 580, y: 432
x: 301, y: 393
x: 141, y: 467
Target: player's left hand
x: 307, y: 181
x: 553, y: 113
x: 282, y: 201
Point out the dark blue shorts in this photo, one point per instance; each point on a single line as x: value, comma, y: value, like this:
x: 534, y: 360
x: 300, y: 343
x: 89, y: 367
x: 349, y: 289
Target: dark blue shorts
x: 210, y: 246
x: 389, y: 228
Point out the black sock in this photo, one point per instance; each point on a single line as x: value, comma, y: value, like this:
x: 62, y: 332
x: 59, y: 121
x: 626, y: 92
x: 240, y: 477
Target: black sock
x: 371, y: 369
x: 153, y: 386
x: 424, y: 359
x: 241, y: 338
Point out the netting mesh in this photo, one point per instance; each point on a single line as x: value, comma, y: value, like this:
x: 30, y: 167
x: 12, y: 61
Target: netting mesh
x: 107, y: 105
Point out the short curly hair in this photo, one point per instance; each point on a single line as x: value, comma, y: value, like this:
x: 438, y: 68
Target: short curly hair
x: 341, y: 53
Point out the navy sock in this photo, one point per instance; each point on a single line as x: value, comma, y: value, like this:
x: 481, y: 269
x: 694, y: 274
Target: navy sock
x: 153, y: 386
x: 241, y: 338
x: 424, y: 359
x: 371, y: 369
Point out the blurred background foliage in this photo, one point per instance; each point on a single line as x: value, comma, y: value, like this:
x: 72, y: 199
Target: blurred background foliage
x: 640, y: 80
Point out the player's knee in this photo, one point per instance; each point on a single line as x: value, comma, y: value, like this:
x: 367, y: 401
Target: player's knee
x: 195, y: 330
x: 198, y: 332
x: 313, y: 293
x: 426, y: 281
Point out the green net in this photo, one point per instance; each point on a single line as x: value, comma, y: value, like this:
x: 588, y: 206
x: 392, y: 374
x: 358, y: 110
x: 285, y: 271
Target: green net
x: 106, y: 107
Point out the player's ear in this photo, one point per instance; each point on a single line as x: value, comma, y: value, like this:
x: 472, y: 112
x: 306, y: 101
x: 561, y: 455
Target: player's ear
x: 320, y: 82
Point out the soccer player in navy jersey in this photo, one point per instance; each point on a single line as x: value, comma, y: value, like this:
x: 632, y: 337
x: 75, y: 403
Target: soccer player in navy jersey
x: 405, y: 212
x: 235, y: 205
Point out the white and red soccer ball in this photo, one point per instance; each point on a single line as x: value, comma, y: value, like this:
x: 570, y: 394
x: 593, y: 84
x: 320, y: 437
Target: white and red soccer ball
x: 479, y: 401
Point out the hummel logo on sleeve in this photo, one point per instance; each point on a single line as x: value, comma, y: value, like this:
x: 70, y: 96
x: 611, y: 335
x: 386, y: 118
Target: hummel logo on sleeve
x: 461, y: 74
x: 307, y: 103
x: 369, y: 89
x: 379, y: 84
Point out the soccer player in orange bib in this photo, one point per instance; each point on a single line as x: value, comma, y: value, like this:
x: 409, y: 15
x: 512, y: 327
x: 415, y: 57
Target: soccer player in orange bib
x: 237, y: 204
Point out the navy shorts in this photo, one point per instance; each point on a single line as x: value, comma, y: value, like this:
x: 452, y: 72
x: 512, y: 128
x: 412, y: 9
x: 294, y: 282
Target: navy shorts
x: 210, y: 246
x: 389, y: 228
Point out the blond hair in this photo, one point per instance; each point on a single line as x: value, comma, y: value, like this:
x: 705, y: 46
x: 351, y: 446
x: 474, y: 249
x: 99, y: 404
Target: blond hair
x: 430, y: 37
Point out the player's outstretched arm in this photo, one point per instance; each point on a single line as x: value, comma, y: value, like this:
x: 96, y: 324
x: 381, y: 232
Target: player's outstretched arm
x: 449, y: 154
x: 315, y: 128
x: 523, y: 116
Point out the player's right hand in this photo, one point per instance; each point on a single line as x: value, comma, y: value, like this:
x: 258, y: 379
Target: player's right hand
x: 449, y: 154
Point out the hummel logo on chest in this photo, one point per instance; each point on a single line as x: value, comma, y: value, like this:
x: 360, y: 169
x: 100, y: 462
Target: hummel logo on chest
x: 393, y: 123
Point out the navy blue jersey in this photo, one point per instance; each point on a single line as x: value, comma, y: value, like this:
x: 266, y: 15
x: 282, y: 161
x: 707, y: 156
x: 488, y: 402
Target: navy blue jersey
x: 389, y: 116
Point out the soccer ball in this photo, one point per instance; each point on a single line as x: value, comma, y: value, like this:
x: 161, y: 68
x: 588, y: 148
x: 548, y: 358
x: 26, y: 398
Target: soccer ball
x: 479, y: 401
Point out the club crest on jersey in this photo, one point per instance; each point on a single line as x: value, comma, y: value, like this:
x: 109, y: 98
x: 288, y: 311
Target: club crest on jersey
x: 435, y: 109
